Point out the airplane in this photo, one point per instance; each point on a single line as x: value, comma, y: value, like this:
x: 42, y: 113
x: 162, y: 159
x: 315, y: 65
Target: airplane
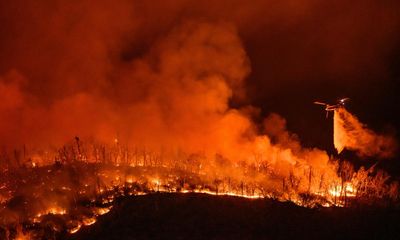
x: 332, y: 107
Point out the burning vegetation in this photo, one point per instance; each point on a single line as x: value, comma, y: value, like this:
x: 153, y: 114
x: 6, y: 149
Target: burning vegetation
x: 166, y: 113
x: 49, y: 194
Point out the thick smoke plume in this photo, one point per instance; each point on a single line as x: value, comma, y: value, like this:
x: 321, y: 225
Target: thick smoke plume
x: 163, y: 78
x: 173, y: 98
x: 178, y: 97
x: 181, y: 91
x: 142, y: 73
x: 351, y: 134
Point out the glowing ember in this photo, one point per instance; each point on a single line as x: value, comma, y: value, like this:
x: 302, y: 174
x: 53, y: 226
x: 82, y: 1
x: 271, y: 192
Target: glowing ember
x: 102, y: 211
x: 57, y: 211
x: 89, y: 221
x: 54, y: 211
x: 75, y: 229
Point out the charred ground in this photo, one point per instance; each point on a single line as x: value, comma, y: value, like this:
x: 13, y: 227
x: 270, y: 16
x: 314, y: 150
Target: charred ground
x: 201, y: 216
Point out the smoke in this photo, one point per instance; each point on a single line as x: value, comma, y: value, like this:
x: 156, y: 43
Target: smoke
x: 161, y: 77
x: 184, y: 86
x: 177, y: 95
x: 351, y: 134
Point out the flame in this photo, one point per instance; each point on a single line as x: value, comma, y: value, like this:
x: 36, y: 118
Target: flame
x: 348, y: 190
x: 75, y: 229
x: 129, y: 180
x: 86, y: 185
x: 102, y: 211
x: 146, y: 180
x: 89, y: 221
x: 54, y: 211
x: 21, y: 235
x: 166, y: 125
x: 233, y: 194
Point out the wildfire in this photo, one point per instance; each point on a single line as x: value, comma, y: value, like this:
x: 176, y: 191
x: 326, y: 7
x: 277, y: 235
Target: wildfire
x: 79, y: 191
x: 129, y: 180
x: 347, y: 190
x: 89, y: 221
x: 103, y: 190
x: 166, y: 113
x: 102, y: 211
x: 21, y: 235
x: 54, y: 211
x: 75, y: 229
x: 233, y: 194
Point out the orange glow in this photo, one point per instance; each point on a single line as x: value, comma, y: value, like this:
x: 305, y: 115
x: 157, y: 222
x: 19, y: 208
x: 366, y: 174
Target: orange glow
x: 75, y: 229
x: 96, y: 119
x: 102, y: 211
x: 282, y: 174
x: 348, y: 191
x: 89, y: 221
x: 53, y: 210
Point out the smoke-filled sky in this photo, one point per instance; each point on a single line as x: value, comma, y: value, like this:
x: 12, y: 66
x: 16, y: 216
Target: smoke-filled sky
x: 145, y: 70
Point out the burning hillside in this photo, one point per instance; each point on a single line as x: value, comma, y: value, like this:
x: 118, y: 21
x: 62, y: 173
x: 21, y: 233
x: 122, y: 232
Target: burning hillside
x: 101, y: 102
x: 53, y: 194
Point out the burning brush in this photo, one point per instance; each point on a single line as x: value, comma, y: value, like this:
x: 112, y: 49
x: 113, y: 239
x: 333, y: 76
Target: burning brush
x: 57, y: 200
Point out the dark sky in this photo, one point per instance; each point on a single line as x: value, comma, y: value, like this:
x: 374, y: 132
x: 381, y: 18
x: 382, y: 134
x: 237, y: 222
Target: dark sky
x: 339, y: 49
x: 298, y: 52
